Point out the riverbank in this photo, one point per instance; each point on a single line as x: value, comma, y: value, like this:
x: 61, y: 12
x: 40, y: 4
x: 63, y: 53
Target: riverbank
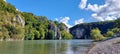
x: 111, y: 46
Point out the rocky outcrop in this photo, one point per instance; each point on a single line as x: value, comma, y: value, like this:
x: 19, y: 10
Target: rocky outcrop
x: 63, y: 27
x: 57, y: 28
x: 106, y: 47
x: 52, y: 26
x: 82, y: 31
x: 19, y: 20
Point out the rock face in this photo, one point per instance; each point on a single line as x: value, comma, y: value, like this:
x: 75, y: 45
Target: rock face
x: 61, y: 27
x: 64, y: 27
x: 82, y: 31
x: 56, y: 30
x: 106, y: 47
x: 19, y: 20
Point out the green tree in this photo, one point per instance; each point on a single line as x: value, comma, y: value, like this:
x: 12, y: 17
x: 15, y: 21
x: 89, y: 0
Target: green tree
x: 116, y: 30
x: 1, y: 29
x: 15, y: 32
x: 51, y: 34
x: 27, y: 32
x: 96, y: 35
x: 19, y: 32
x: 117, y: 23
x: 36, y: 34
x: 66, y: 35
x: 32, y: 34
x: 110, y: 34
x: 1, y: 34
x: 42, y: 33
x: 4, y: 32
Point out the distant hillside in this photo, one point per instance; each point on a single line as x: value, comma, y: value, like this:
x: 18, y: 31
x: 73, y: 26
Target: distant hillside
x: 82, y: 31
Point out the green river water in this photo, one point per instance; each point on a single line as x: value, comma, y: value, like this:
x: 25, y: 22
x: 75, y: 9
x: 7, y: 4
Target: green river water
x: 45, y: 47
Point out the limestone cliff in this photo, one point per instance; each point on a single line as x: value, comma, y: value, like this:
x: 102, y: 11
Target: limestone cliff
x: 82, y: 31
x: 52, y: 26
x: 19, y: 20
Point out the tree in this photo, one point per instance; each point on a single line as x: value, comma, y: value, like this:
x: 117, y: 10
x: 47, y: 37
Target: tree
x: 42, y: 33
x: 51, y: 34
x: 0, y: 30
x: 1, y: 34
x: 110, y: 34
x: 4, y: 33
x: 116, y: 31
x: 36, y: 34
x: 117, y: 23
x: 19, y: 32
x: 27, y: 32
x: 96, y: 35
x: 15, y: 32
x: 66, y: 35
x: 32, y: 34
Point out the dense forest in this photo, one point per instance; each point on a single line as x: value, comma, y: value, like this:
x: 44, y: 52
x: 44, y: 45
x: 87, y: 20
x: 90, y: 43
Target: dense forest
x: 18, y: 25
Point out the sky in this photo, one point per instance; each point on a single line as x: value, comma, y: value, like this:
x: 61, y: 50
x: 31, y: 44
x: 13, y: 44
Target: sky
x: 71, y: 12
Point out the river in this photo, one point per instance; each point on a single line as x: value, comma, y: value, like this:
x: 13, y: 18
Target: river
x: 45, y: 47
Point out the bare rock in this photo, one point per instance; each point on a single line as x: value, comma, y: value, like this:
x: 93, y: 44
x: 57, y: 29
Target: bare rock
x: 106, y: 47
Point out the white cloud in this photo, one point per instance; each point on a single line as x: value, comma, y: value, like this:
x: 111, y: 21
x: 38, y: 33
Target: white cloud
x: 110, y: 18
x: 79, y: 21
x: 56, y: 19
x: 108, y: 11
x: 97, y: 17
x: 65, y: 21
x: 82, y: 4
x: 92, y: 7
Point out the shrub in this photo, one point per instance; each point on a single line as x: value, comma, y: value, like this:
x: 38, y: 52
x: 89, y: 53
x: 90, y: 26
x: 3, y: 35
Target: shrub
x: 66, y: 35
x: 110, y: 34
x: 96, y: 35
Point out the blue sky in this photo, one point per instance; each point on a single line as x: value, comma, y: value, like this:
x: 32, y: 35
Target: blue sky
x: 61, y: 9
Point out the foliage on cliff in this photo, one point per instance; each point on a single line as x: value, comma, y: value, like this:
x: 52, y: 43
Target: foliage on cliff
x: 82, y: 31
x: 23, y: 25
x: 66, y: 35
x: 9, y: 26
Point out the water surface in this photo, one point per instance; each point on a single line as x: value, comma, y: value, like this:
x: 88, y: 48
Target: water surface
x: 45, y: 47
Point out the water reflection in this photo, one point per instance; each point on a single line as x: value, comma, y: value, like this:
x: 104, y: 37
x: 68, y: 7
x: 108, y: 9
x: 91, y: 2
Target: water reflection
x: 44, y: 47
x: 11, y: 47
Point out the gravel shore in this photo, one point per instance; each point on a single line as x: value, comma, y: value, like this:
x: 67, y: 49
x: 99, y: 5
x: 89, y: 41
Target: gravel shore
x: 106, y: 47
